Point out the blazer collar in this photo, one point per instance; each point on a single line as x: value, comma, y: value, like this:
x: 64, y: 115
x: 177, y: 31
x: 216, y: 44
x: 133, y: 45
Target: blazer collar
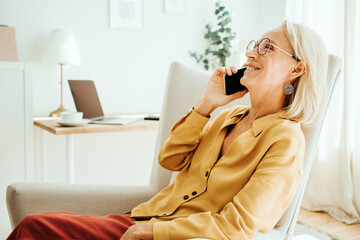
x: 258, y: 125
x: 235, y: 117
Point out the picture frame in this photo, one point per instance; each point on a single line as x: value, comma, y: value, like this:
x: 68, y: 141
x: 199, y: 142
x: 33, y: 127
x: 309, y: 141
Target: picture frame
x: 126, y: 14
x: 176, y: 6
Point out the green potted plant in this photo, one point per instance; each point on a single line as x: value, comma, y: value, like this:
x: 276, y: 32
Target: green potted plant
x: 220, y: 36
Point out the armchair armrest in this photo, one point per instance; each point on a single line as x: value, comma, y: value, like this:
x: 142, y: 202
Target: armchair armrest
x: 28, y: 198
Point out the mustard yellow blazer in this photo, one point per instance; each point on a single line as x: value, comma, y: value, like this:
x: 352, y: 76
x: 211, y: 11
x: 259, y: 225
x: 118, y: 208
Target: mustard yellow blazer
x: 245, y: 191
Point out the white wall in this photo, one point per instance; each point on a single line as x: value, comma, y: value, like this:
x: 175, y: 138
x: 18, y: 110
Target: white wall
x: 129, y: 68
x: 271, y: 14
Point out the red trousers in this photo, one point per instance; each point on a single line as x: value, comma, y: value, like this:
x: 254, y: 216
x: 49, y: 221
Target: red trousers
x: 66, y: 225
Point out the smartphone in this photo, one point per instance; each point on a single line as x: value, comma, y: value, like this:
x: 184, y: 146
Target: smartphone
x: 232, y: 83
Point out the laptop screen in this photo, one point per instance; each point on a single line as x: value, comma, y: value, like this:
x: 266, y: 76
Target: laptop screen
x: 86, y: 98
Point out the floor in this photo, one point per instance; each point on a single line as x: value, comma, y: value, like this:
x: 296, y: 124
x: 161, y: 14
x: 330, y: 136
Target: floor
x: 328, y: 225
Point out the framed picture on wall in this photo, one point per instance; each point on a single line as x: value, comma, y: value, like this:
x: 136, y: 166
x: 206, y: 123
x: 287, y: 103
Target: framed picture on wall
x: 126, y: 14
x: 175, y: 6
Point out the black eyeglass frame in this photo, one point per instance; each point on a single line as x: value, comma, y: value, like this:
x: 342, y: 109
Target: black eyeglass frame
x: 252, y: 42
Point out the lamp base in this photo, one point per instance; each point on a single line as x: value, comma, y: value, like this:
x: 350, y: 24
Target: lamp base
x: 57, y: 112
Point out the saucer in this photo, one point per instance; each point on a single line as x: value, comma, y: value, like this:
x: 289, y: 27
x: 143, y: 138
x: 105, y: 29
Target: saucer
x: 73, y: 124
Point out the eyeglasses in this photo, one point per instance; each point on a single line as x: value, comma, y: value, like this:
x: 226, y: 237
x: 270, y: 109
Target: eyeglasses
x: 264, y: 46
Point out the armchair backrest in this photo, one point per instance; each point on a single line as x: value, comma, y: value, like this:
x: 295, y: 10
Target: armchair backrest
x: 185, y: 86
x: 288, y: 220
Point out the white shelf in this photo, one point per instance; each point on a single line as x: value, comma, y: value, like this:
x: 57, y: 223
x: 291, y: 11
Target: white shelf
x: 16, y: 138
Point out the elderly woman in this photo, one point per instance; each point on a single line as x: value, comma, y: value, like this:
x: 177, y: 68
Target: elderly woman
x: 239, y: 172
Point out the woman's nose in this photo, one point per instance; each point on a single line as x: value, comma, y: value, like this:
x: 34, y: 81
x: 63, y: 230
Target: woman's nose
x: 252, y: 54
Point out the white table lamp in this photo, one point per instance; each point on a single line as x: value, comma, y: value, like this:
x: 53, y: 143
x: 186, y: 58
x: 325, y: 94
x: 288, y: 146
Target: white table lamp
x: 62, y: 49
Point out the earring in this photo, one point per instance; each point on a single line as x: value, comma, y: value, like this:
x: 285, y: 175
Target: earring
x: 288, y: 89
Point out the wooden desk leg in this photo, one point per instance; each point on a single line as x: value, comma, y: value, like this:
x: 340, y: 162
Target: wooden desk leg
x: 42, y: 156
x: 70, y: 161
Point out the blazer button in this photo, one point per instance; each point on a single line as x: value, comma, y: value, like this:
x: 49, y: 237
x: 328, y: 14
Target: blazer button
x: 207, y: 173
x: 186, y: 197
x: 194, y: 193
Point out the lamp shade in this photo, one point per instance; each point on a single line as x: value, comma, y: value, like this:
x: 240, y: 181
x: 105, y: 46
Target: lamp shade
x: 62, y: 48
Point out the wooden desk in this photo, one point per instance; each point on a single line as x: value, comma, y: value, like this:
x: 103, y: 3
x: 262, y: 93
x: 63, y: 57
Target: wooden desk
x: 49, y: 124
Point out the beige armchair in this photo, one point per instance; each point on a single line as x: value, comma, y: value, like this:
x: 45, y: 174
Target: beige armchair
x: 184, y: 88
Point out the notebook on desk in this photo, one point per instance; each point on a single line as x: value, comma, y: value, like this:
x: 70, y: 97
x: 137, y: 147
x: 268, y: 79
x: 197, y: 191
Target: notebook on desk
x: 87, y: 101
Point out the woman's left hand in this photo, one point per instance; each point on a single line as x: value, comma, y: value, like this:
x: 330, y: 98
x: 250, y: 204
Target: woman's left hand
x: 142, y: 231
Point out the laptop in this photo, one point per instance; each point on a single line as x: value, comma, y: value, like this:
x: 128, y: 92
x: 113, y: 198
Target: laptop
x: 87, y: 101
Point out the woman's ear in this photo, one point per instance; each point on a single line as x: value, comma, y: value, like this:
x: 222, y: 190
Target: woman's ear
x: 298, y: 70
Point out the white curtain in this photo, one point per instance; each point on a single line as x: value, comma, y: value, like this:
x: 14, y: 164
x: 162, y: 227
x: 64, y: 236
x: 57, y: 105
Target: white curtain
x: 334, y: 182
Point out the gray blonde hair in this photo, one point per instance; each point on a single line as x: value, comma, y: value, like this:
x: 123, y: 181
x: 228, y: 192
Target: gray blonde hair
x: 310, y: 89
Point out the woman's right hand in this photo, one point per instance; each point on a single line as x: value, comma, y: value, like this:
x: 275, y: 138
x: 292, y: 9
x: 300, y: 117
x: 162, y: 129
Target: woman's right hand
x: 214, y: 95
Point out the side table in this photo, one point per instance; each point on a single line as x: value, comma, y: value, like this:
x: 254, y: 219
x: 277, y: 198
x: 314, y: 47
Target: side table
x: 49, y: 124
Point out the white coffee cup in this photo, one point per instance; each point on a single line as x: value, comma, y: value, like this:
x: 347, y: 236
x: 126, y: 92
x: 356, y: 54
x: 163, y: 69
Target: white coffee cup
x: 71, y: 117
